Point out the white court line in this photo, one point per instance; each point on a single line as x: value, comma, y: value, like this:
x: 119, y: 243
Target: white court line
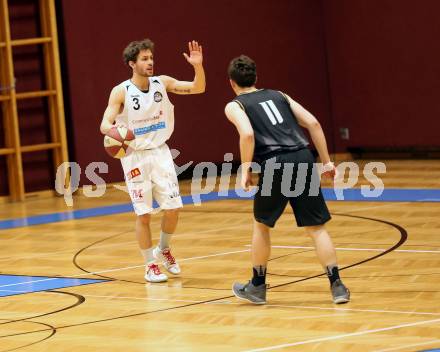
x: 359, y: 249
x: 299, y: 317
x: 66, y: 251
x: 117, y: 269
x: 337, y: 337
x: 14, y: 291
x: 45, y: 254
x: 356, y: 310
x: 213, y: 255
x: 369, y: 208
x: 345, y: 310
x: 407, y: 346
x: 147, y: 299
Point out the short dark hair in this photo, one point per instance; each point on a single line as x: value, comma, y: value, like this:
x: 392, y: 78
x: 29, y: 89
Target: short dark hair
x: 133, y: 49
x: 243, y: 71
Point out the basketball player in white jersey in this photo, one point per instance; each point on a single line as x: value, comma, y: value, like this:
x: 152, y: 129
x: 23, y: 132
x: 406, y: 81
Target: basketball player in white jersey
x: 141, y: 104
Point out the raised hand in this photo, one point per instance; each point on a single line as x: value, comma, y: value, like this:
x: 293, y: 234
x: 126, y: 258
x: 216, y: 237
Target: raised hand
x: 195, y: 53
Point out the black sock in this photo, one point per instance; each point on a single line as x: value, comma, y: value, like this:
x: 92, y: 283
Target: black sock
x: 332, y: 273
x: 259, y: 277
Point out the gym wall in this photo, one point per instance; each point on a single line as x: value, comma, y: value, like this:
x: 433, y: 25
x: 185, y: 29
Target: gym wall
x: 369, y: 66
x: 383, y: 61
x: 285, y: 38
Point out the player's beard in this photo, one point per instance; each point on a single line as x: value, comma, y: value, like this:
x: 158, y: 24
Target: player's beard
x: 145, y: 73
x: 149, y: 72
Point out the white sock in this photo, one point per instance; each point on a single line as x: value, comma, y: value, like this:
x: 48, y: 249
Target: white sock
x: 148, y: 255
x: 164, y: 240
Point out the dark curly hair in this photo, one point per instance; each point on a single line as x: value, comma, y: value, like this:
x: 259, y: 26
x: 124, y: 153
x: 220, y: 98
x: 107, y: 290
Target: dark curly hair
x: 132, y: 50
x: 243, y: 71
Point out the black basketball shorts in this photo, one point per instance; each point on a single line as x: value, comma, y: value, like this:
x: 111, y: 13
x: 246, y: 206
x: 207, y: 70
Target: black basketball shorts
x: 290, y: 177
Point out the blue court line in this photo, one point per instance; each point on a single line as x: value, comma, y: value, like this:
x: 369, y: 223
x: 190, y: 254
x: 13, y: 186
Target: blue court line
x: 11, y: 285
x: 388, y: 195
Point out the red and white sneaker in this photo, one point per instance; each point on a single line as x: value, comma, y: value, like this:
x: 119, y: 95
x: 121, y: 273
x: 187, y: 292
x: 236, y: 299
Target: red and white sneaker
x: 167, y: 259
x: 153, y: 274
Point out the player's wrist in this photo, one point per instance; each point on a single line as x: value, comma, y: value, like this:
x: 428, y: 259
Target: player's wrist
x: 328, y: 166
x: 104, y: 130
x: 198, y: 66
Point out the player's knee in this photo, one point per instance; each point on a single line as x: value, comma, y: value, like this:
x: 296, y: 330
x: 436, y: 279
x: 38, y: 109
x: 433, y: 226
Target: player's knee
x: 144, y: 219
x: 171, y: 212
x: 314, y: 230
x: 261, y: 228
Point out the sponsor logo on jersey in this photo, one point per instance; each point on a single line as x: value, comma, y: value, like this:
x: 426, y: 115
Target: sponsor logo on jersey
x: 152, y: 128
x: 157, y: 97
x: 174, y: 195
x: 133, y: 173
x: 174, y: 189
x: 137, y: 195
x: 157, y: 117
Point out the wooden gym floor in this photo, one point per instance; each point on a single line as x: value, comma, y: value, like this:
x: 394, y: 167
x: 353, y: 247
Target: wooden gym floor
x: 83, y: 284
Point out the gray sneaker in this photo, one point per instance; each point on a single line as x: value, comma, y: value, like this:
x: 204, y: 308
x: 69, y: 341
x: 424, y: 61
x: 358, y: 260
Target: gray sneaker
x: 340, y: 293
x: 249, y: 292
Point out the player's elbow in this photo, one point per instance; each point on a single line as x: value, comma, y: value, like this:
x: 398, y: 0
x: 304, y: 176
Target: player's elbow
x: 247, y: 136
x: 314, y: 126
x: 104, y: 128
x: 200, y: 89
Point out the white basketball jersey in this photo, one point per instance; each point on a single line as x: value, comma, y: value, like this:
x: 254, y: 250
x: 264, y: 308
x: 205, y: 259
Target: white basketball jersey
x: 150, y: 115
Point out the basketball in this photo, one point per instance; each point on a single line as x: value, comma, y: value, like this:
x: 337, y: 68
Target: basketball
x: 117, y: 142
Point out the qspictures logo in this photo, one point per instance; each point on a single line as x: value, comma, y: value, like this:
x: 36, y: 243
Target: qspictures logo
x: 204, y: 178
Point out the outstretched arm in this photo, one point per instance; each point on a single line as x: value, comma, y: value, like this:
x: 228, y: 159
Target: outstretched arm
x: 195, y: 58
x: 115, y: 103
x: 247, y: 141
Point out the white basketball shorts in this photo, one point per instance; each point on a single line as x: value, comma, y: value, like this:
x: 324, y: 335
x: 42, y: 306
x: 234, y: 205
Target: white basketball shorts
x: 150, y: 174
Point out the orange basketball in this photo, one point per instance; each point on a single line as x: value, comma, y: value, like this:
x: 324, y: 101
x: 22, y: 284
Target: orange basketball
x: 118, y: 142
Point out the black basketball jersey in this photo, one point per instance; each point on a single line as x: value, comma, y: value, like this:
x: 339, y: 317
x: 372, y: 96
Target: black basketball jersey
x: 275, y: 126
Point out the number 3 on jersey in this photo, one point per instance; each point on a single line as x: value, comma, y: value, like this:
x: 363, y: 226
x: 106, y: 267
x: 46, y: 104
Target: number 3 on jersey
x: 136, y: 105
x: 272, y: 112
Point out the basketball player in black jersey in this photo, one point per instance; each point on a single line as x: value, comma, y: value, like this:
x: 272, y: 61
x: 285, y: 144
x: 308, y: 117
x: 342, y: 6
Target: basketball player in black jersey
x: 269, y: 123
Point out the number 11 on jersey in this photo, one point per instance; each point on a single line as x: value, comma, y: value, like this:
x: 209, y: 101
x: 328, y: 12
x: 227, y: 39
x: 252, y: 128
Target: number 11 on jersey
x: 272, y: 112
